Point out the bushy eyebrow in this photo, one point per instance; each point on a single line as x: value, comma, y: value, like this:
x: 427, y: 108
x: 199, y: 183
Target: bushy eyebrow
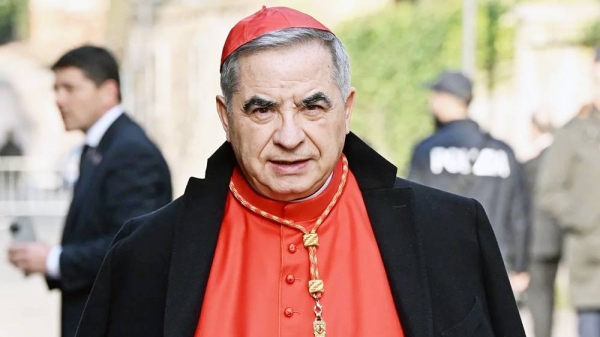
x: 316, y: 98
x: 67, y: 86
x: 258, y: 102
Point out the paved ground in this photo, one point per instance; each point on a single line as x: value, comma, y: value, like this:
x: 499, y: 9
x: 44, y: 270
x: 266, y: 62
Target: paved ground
x: 28, y: 309
x: 565, y: 323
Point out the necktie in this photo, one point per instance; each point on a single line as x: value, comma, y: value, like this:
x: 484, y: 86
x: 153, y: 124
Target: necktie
x: 85, y: 161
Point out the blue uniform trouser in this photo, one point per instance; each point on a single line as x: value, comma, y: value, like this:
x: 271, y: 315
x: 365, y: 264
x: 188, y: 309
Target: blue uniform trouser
x: 589, y: 323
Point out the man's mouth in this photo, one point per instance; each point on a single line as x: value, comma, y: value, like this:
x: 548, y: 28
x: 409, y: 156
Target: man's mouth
x: 289, y: 162
x: 289, y: 166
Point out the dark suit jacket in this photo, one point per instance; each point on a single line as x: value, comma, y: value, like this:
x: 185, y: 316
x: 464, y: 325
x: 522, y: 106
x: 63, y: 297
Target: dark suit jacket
x: 128, y: 178
x: 440, y: 254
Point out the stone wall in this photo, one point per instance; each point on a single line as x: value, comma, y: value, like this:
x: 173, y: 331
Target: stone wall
x: 551, y: 71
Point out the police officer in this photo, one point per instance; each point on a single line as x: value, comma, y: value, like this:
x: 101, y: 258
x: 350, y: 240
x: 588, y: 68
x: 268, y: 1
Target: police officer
x: 461, y: 159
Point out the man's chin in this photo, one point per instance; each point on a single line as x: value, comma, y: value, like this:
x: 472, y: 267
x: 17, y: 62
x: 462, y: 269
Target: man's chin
x: 68, y: 126
x: 73, y: 128
x: 293, y: 190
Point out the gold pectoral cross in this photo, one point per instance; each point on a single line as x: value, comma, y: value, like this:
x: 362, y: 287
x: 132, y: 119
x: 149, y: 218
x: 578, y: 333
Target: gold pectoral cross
x: 319, y: 327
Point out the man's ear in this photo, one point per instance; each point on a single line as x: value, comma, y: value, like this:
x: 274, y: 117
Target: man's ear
x: 110, y: 90
x: 349, y: 107
x: 223, y: 114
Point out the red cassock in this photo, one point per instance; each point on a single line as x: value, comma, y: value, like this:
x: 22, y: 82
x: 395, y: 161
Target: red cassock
x: 258, y: 283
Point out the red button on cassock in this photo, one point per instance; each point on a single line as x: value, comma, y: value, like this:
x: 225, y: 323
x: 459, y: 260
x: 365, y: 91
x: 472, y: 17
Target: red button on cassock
x: 288, y: 312
x: 292, y: 248
x: 290, y: 279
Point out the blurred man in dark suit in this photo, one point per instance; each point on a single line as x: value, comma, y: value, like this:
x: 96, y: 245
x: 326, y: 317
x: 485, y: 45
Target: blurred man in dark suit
x: 122, y: 175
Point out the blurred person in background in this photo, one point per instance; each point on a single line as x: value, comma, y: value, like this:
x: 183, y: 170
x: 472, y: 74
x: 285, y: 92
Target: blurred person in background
x: 568, y: 187
x: 460, y: 158
x: 299, y: 223
x: 10, y: 179
x: 546, y: 234
x: 10, y: 146
x: 122, y: 175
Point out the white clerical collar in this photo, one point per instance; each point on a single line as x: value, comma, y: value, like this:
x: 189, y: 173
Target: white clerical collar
x: 97, y: 131
x: 314, y: 195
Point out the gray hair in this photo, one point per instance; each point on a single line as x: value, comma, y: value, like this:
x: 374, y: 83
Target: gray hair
x: 284, y: 38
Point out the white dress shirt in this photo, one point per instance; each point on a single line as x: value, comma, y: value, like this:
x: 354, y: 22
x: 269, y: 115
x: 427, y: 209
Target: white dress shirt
x: 92, y: 138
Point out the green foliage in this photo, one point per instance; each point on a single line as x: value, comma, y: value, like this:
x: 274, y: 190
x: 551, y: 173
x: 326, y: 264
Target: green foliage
x: 7, y: 14
x: 493, y: 10
x: 496, y: 42
x: 393, y: 53
x: 13, y: 15
x: 591, y: 35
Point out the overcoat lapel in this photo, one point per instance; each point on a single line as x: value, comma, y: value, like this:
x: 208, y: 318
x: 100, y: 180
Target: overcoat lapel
x: 194, y: 244
x: 391, y: 212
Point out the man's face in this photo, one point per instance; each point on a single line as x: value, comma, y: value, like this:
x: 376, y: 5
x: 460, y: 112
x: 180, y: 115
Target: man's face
x: 435, y: 100
x: 445, y: 107
x: 80, y: 101
x: 288, y: 121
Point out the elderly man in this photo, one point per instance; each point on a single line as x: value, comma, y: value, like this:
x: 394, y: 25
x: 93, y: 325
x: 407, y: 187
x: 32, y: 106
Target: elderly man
x: 299, y: 228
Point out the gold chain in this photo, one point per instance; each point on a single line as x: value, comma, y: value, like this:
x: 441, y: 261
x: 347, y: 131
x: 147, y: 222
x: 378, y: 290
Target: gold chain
x: 310, y: 241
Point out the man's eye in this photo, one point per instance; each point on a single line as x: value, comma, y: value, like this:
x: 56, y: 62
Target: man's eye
x: 313, y: 108
x: 262, y: 113
x: 73, y: 88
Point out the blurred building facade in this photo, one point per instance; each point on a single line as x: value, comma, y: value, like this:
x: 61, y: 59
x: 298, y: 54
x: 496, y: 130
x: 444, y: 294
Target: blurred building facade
x: 550, y: 71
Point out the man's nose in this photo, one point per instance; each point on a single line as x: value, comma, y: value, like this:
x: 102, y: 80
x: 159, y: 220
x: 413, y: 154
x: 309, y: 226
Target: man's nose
x: 60, y: 97
x: 290, y: 133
